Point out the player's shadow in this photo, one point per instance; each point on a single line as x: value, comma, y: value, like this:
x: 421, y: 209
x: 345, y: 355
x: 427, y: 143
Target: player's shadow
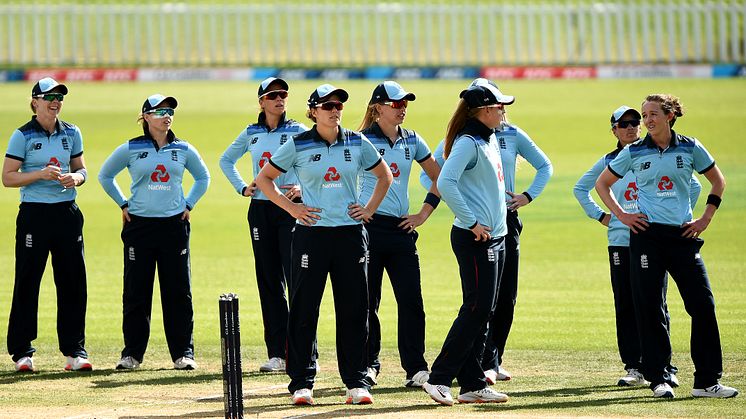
x: 14, y: 377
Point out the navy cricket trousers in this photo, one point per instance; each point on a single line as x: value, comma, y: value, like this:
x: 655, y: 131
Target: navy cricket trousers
x: 507, y: 293
x: 653, y: 252
x: 161, y: 242
x: 42, y: 229
x: 271, y: 233
x: 394, y: 250
x: 480, y: 266
x: 342, y: 253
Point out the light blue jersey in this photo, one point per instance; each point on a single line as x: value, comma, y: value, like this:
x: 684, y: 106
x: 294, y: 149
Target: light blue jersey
x: 262, y: 143
x: 472, y: 177
x: 328, y: 173
x: 663, y: 176
x: 409, y: 147
x: 514, y: 142
x: 157, y: 176
x: 37, y: 149
x: 625, y: 192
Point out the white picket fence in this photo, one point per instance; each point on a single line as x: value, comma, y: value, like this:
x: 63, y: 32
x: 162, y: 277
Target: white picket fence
x: 351, y: 34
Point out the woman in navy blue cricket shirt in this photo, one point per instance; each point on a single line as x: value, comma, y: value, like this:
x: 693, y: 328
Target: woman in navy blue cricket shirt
x: 45, y: 160
x: 156, y: 231
x: 329, y: 239
x: 471, y: 178
x: 392, y: 229
x: 665, y: 238
x: 270, y: 226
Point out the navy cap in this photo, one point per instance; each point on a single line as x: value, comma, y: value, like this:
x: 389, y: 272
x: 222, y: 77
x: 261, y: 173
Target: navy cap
x: 264, y: 85
x: 322, y: 93
x: 154, y: 100
x: 621, y: 111
x: 46, y: 85
x: 502, y: 98
x: 480, y: 96
x: 388, y: 91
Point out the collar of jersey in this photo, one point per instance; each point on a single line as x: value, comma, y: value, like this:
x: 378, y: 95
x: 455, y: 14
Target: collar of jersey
x: 170, y: 136
x: 262, y: 120
x: 474, y: 127
x: 648, y: 140
x: 37, y: 126
x: 316, y: 137
x: 378, y: 132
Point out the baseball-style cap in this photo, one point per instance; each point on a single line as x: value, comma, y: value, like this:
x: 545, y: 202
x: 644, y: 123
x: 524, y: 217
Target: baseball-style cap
x: 323, y: 92
x: 502, y: 98
x: 621, y: 111
x: 388, y: 91
x: 46, y: 85
x: 154, y: 100
x: 264, y: 85
x: 480, y: 96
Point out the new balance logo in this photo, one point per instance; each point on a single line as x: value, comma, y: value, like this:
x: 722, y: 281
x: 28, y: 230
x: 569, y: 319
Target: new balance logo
x: 645, y: 165
x: 29, y: 240
x: 304, y: 261
x: 37, y: 146
x: 142, y: 155
x: 315, y: 157
x: 697, y: 256
x: 615, y: 258
x: 644, y: 261
x: 255, y: 233
x: 365, y: 258
x: 131, y: 253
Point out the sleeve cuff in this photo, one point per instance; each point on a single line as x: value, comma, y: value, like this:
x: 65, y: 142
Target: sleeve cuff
x: 277, y: 167
x: 527, y: 196
x: 425, y: 158
x: 615, y: 173
x: 374, y: 165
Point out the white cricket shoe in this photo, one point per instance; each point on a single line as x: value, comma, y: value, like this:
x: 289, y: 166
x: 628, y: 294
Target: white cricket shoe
x: 717, y: 391
x: 664, y: 391
x: 485, y: 395
x: 77, y: 363
x: 358, y: 396
x: 128, y: 363
x: 417, y: 380
x: 185, y: 363
x: 673, y: 380
x: 25, y: 364
x: 273, y: 365
x: 439, y: 393
x: 493, y: 376
x: 371, y: 377
x: 303, y: 397
x: 633, y: 378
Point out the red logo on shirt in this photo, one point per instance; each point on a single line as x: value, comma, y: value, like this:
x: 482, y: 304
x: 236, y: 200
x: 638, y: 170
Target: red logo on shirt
x: 665, y: 184
x: 331, y: 175
x: 631, y: 193
x: 265, y: 158
x: 160, y: 174
x: 500, y: 174
x: 54, y: 162
x: 395, y: 170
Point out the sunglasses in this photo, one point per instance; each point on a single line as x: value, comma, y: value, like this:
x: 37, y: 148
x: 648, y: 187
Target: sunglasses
x: 161, y: 112
x: 397, y: 104
x: 327, y: 106
x: 625, y: 124
x: 50, y: 97
x: 275, y: 93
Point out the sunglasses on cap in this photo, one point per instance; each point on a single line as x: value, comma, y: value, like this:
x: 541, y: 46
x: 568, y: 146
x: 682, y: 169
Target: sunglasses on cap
x: 50, y: 97
x: 396, y: 104
x: 327, y: 106
x: 631, y: 122
x: 275, y: 93
x: 161, y: 112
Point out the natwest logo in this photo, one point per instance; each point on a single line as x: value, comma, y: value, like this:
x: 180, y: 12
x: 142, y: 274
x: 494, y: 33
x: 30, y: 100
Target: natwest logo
x: 331, y: 175
x: 160, y: 174
x: 54, y: 162
x: 395, y: 170
x: 631, y: 193
x: 265, y: 158
x: 665, y: 184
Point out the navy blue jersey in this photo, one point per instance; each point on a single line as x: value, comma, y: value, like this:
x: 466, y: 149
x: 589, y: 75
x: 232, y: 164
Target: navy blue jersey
x: 328, y: 173
x: 36, y: 149
x: 400, y: 155
x: 157, y: 175
x: 663, y: 177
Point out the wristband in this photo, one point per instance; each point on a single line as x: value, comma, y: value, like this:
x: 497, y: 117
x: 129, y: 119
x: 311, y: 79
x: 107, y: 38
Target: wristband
x: 601, y: 218
x: 527, y: 196
x: 125, y: 205
x: 714, y: 200
x: 83, y: 172
x: 243, y: 190
x: 432, y: 200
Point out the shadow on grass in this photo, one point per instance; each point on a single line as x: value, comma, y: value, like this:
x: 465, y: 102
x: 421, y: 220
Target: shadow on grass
x: 14, y: 377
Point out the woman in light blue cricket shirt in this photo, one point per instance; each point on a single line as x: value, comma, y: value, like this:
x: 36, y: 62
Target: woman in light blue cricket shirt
x: 513, y: 142
x: 471, y: 177
x: 156, y: 231
x: 270, y: 226
x: 45, y: 160
x: 392, y: 230
x: 665, y: 238
x: 625, y: 125
x: 329, y: 238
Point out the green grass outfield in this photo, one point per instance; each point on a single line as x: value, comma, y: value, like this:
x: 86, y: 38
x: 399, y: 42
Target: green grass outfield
x: 562, y: 350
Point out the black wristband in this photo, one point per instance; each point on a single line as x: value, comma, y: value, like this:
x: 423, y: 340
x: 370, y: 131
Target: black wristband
x: 601, y: 218
x: 188, y: 207
x: 125, y: 205
x: 432, y: 200
x: 714, y: 200
x: 243, y: 190
x: 474, y: 225
x: 527, y: 196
